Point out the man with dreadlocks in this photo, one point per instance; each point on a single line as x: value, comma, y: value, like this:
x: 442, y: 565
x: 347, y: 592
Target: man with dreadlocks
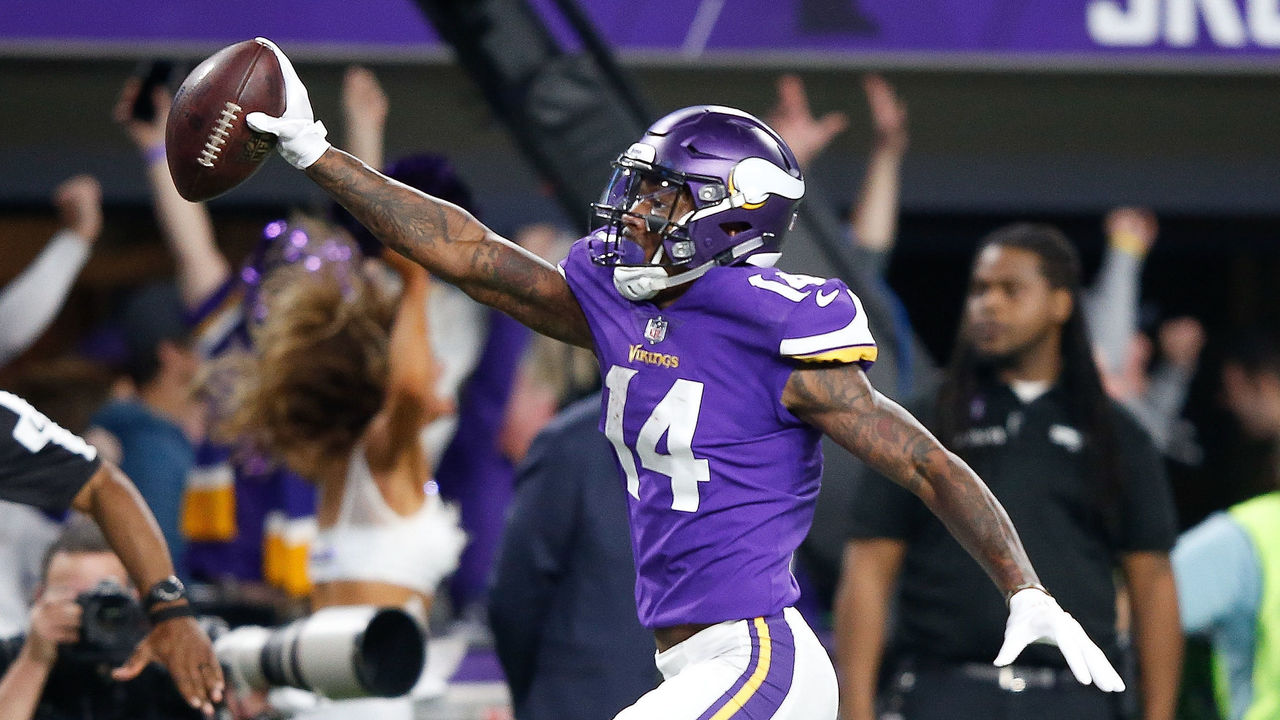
x: 1022, y: 403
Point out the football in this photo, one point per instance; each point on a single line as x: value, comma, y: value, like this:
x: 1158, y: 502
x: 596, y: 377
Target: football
x: 209, y: 146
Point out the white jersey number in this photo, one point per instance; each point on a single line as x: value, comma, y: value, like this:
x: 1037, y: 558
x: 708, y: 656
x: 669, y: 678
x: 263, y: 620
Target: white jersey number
x: 676, y: 416
x: 793, y: 287
x: 33, y: 430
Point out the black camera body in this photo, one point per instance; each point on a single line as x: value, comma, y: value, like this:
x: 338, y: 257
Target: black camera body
x: 80, y: 683
x: 112, y: 623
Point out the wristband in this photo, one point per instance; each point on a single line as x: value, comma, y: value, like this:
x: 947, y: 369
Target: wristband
x: 1129, y: 242
x: 177, y: 611
x: 1024, y: 586
x: 154, y: 154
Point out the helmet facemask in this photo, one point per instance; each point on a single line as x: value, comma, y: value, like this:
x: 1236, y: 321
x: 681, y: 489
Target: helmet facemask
x: 651, y: 194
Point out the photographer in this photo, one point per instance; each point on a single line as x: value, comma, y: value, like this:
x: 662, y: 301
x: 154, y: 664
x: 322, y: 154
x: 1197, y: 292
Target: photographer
x: 83, y: 623
x: 44, y: 465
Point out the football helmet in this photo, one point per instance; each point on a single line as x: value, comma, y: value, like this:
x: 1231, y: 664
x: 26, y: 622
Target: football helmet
x: 743, y: 181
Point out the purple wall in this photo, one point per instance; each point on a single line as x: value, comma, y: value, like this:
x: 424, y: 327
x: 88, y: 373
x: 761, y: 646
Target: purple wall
x: 1171, y: 31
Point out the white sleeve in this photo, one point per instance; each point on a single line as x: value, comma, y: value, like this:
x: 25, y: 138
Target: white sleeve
x: 1111, y: 306
x: 30, y: 302
x: 1217, y: 572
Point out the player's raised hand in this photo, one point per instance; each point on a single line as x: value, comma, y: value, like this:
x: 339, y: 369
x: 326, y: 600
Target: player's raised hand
x: 792, y: 118
x: 1034, y: 616
x: 302, y: 137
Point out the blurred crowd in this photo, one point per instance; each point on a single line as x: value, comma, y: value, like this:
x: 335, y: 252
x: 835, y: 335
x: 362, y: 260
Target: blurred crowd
x: 315, y: 422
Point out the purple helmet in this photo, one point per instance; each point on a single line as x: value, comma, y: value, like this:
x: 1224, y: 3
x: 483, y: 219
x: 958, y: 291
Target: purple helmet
x: 743, y: 179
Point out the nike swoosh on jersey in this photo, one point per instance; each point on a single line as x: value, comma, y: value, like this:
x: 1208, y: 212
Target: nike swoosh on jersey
x: 824, y: 299
x: 855, y: 334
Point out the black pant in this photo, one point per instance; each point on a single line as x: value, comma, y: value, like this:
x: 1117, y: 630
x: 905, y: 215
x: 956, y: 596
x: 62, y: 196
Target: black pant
x: 942, y: 692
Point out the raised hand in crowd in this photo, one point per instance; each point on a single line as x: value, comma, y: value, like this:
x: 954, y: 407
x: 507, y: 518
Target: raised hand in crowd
x: 186, y: 226
x: 1111, y: 303
x: 875, y: 208
x: 1181, y: 341
x: 793, y: 119
x: 1131, y: 229
x: 888, y: 114
x: 29, y: 302
x: 79, y: 204
x: 147, y: 135
x: 364, y: 107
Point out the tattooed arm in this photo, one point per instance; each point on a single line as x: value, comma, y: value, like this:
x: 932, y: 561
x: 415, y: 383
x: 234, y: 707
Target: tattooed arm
x: 840, y: 401
x: 440, y: 236
x: 455, y: 247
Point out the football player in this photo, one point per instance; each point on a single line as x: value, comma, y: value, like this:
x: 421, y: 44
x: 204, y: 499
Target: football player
x: 47, y: 466
x: 720, y: 373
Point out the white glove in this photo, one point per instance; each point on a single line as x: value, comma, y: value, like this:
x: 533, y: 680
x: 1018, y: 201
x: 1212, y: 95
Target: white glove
x: 1034, y: 616
x: 301, y: 135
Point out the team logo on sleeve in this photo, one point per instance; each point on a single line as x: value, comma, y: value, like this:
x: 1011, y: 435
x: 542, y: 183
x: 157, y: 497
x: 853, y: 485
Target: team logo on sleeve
x: 656, y: 331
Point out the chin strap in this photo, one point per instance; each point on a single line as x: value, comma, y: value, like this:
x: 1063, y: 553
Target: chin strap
x: 641, y: 282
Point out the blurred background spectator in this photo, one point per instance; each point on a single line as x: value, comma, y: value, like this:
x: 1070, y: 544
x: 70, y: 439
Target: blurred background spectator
x: 47, y: 674
x: 156, y: 426
x: 562, y: 601
x: 1227, y: 566
x: 29, y: 302
x: 1023, y: 404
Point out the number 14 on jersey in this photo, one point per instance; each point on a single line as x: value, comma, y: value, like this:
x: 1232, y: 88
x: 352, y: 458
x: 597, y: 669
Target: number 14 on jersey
x: 675, y: 416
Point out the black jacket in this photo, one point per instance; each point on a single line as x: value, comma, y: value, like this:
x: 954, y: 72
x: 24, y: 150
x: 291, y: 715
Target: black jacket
x: 562, y: 601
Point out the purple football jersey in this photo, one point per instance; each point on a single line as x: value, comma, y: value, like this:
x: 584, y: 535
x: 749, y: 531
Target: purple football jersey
x: 721, y: 478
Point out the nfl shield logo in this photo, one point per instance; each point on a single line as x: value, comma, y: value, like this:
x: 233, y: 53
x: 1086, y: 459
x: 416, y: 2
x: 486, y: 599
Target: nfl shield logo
x: 656, y: 331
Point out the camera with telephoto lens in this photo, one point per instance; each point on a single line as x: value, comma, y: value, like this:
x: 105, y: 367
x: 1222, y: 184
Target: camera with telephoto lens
x: 112, y: 623
x: 338, y: 652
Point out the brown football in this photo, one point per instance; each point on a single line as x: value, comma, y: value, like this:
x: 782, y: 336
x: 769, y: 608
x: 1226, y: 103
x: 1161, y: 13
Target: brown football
x: 209, y: 146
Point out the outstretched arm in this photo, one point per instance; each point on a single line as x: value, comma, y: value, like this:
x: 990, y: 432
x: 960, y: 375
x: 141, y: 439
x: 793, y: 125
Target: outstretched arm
x: 840, y: 401
x: 455, y: 247
x: 1111, y: 305
x: 440, y: 236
